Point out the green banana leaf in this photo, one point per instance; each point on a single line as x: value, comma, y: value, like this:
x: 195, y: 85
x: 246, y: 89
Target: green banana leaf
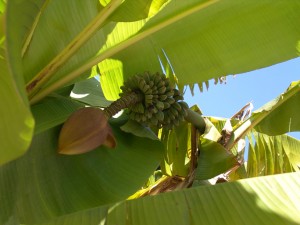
x: 59, y: 36
x: 53, y: 111
x: 43, y: 185
x: 270, y: 155
x: 138, y: 130
x: 16, y: 123
x: 265, y: 200
x: 281, y: 115
x: 177, y: 143
x: 212, y: 41
x: 213, y: 160
x: 202, y: 40
x: 89, y: 92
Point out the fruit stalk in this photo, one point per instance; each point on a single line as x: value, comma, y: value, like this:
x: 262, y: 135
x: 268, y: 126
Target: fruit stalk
x: 127, y: 100
x: 196, y: 119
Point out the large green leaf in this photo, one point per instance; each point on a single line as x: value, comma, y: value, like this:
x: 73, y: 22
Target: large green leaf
x: 89, y: 92
x: 139, y: 9
x: 43, y: 184
x: 18, y: 32
x: 16, y: 124
x: 266, y: 200
x: 270, y: 155
x: 217, y: 37
x: 56, y: 25
x: 53, y: 111
x: 52, y: 44
x: 281, y: 114
x: 177, y: 143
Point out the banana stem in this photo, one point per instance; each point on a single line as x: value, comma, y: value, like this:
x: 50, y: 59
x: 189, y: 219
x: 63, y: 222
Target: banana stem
x: 125, y: 101
x: 197, y: 120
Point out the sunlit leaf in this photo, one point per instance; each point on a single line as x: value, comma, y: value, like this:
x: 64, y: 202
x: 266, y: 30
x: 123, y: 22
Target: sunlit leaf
x: 139, y: 9
x: 177, y: 143
x: 270, y: 155
x: 211, y: 44
x: 246, y: 202
x: 282, y: 113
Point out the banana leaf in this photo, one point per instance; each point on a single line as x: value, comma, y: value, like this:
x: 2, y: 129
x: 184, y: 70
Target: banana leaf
x: 264, y: 200
x: 43, y: 184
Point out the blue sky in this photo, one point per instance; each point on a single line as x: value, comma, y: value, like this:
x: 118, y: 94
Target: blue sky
x: 259, y: 87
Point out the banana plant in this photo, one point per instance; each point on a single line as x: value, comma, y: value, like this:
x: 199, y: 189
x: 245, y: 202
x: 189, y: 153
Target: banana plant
x: 67, y: 67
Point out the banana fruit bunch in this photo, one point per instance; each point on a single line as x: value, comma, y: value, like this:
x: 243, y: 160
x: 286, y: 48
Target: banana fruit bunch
x: 161, y: 104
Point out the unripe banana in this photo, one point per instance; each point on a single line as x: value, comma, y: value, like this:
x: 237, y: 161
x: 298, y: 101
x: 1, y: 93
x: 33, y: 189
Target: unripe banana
x: 154, y: 91
x: 177, y: 106
x: 137, y: 117
x: 167, y: 120
x: 141, y: 83
x: 162, y: 90
x: 184, y: 105
x: 171, y: 116
x: 160, y: 116
x: 139, y: 108
x: 148, y: 99
x: 149, y: 91
x: 151, y: 83
x: 157, y: 79
x: 173, y: 111
x: 170, y: 93
x: 161, y: 84
x: 154, y: 121
x: 163, y: 97
x: 176, y: 122
x: 153, y: 109
x: 181, y: 117
x: 146, y: 77
x: 170, y: 100
x: 159, y: 105
x: 155, y: 97
x: 166, y: 105
x: 144, y: 118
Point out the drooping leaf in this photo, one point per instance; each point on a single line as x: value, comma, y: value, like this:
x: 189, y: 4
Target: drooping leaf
x: 177, y: 143
x: 42, y: 184
x: 213, y: 160
x: 247, y: 202
x: 270, y: 155
x: 282, y: 113
x: 215, y: 44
